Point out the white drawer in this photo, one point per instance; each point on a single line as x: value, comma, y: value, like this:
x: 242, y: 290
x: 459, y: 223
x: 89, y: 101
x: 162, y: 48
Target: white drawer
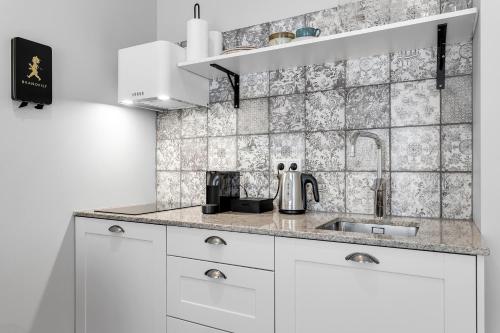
x: 221, y: 246
x: 242, y: 302
x: 180, y: 326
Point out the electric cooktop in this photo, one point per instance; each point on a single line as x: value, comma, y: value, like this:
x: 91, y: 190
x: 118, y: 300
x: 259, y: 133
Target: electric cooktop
x: 141, y: 209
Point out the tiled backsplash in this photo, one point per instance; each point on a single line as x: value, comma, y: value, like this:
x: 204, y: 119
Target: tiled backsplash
x: 309, y: 113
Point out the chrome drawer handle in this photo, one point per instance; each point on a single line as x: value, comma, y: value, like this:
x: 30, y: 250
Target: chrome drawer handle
x: 363, y: 258
x: 215, y: 240
x: 215, y: 274
x: 116, y: 229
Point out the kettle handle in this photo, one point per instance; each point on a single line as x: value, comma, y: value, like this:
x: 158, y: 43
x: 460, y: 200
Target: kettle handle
x: 305, y: 179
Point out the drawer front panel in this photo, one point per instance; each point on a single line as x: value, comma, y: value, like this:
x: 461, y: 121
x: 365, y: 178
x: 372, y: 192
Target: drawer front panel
x: 230, y: 298
x: 221, y: 246
x: 180, y: 326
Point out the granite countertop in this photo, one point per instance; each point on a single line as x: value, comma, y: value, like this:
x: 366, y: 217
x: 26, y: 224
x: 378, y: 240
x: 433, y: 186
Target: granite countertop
x: 449, y: 236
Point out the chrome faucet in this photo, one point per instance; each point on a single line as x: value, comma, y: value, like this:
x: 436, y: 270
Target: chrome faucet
x: 379, y: 186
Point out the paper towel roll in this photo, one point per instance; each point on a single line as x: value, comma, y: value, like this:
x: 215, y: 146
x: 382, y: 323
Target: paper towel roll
x: 214, y: 43
x: 197, y: 39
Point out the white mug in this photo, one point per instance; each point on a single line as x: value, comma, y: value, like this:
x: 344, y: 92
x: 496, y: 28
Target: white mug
x: 214, y: 43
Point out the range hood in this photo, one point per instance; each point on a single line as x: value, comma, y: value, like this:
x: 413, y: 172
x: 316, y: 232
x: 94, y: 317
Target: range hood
x: 148, y: 77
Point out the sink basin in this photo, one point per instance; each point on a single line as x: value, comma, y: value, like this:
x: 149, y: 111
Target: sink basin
x: 369, y: 228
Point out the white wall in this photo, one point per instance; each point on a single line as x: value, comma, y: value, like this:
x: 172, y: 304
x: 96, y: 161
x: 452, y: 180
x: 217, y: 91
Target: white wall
x: 225, y: 15
x: 487, y: 154
x: 82, y: 152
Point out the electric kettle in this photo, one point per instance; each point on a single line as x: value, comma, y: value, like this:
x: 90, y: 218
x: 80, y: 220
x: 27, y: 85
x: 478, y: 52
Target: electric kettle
x: 292, y: 190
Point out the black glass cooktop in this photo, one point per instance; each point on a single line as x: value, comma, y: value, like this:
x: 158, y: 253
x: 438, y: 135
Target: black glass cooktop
x: 141, y: 209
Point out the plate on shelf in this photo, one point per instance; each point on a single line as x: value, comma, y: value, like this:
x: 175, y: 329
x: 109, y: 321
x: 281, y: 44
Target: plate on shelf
x: 239, y: 49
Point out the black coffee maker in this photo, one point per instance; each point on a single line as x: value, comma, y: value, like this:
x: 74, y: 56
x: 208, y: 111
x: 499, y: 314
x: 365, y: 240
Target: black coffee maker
x: 222, y: 187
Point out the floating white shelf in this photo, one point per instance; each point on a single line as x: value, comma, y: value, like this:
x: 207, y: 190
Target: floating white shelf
x: 406, y: 35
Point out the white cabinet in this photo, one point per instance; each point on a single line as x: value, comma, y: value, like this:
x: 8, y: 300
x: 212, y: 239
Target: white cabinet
x: 120, y: 277
x: 175, y: 325
x: 318, y: 290
x: 230, y: 298
x: 222, y: 246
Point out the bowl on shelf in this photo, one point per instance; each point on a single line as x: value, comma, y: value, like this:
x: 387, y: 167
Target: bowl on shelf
x: 281, y: 38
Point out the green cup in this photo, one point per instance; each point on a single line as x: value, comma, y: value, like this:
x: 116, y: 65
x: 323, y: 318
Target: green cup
x: 307, y: 32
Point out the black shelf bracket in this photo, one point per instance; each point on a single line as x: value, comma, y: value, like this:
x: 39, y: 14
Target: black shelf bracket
x: 234, y: 79
x: 441, y: 56
x: 23, y: 105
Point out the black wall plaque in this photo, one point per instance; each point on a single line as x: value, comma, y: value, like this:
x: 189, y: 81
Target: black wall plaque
x: 31, y: 72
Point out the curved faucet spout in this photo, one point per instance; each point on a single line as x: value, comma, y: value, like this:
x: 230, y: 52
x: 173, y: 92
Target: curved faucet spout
x: 379, y: 184
x: 356, y: 135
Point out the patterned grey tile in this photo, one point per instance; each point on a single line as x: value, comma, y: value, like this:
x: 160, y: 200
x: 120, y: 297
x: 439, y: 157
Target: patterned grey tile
x: 287, y: 81
x: 287, y: 113
x: 325, y: 110
x: 331, y: 186
x: 415, y: 149
x: 193, y: 185
x: 256, y: 184
x: 230, y: 39
x: 290, y: 24
x: 413, y: 65
x: 253, y: 153
x: 351, y: 16
x: 459, y: 59
x: 168, y: 155
x: 222, y: 153
x: 327, y: 20
x: 220, y: 90
x: 286, y: 146
x: 168, y: 189
x: 254, y: 36
x: 457, y: 195
x: 415, y: 194
x: 365, y: 158
x: 457, y: 100
x: 168, y: 125
x: 364, y: 14
x: 412, y: 9
x: 359, y: 196
x: 415, y: 103
x: 368, y: 107
x: 325, y: 77
x: 457, y: 147
x: 222, y: 119
x: 368, y: 71
x: 325, y: 151
x: 454, y: 5
x: 253, y: 116
x: 194, y: 122
x: 194, y: 154
x: 254, y: 85
x: 373, y: 13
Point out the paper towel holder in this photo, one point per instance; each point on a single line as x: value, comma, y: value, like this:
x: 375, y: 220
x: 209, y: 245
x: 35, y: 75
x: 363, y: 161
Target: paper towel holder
x: 197, y: 11
x: 234, y: 79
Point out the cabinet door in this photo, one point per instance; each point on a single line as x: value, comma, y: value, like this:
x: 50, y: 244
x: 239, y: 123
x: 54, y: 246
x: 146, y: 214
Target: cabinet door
x: 318, y: 290
x: 175, y: 325
x: 225, y: 297
x: 120, y: 277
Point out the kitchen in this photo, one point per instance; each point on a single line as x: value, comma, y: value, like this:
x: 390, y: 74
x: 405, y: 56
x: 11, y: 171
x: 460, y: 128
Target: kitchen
x: 358, y: 109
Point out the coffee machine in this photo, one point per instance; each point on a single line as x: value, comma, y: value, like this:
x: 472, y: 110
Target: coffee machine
x: 221, y: 188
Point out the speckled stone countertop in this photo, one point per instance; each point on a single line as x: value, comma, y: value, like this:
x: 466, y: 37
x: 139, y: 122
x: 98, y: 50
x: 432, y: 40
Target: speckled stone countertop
x: 460, y: 237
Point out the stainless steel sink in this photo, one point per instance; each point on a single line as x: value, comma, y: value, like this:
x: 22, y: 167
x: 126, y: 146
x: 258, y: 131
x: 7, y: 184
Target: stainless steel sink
x: 369, y: 228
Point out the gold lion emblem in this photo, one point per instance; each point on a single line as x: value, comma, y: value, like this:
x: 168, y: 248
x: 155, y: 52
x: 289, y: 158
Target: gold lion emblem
x: 34, y: 67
